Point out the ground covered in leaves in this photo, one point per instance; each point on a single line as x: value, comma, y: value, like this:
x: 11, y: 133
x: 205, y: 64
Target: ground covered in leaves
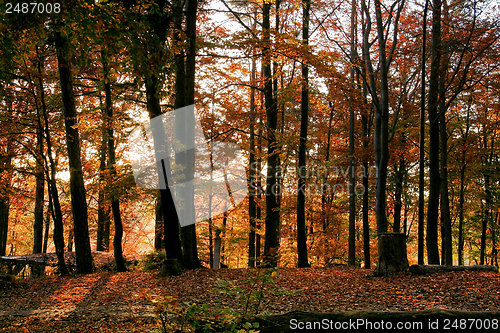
x: 123, y: 302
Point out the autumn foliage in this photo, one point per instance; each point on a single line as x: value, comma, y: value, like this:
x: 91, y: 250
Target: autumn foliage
x: 362, y: 67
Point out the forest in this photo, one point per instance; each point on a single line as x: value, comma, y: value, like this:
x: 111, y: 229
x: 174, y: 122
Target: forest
x: 360, y: 136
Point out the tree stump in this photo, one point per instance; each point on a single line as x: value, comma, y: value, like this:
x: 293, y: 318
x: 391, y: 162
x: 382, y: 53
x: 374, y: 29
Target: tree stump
x: 170, y: 267
x: 392, y: 256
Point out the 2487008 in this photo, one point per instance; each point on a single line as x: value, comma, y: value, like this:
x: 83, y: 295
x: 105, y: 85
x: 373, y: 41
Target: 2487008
x: 32, y: 8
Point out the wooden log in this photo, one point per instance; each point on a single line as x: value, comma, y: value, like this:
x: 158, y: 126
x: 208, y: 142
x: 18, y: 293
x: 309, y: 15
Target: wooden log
x: 431, y: 269
x: 368, y: 321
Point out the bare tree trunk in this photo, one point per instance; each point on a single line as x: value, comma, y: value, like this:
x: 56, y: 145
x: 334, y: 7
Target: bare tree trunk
x: 171, y: 226
x: 54, y: 205
x: 252, y: 206
x: 5, y: 184
x: 159, y: 232
x: 443, y: 136
x: 366, y: 224
x: 102, y: 206
x: 302, y: 166
x: 272, y: 214
x: 46, y: 232
x: 115, y: 199
x: 421, y: 176
x: 381, y: 130
x: 433, y: 102
x: 352, y: 179
x: 39, y: 192
x: 84, y: 262
x: 461, y: 200
x: 445, y: 204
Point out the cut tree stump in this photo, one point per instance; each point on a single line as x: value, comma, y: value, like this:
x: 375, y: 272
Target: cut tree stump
x: 392, y: 258
x: 431, y: 269
x: 170, y: 267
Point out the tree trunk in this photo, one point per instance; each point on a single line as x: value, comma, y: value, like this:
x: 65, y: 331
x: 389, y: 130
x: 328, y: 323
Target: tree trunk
x: 159, y: 233
x: 365, y: 124
x: 352, y: 179
x: 398, y: 195
x: 184, y: 96
x: 272, y: 214
x: 115, y: 199
x: 461, y: 200
x: 5, y: 167
x: 421, y: 175
x: 39, y: 191
x: 5, y: 183
x: 84, y: 262
x: 171, y: 226
x: 191, y: 14
x: 392, y: 256
x: 302, y: 166
x: 366, y: 208
x: 46, y: 232
x: 433, y: 102
x: 485, y: 217
x: 252, y: 206
x: 102, y: 206
x: 445, y: 203
x: 381, y: 136
x: 447, y: 246
x: 54, y: 204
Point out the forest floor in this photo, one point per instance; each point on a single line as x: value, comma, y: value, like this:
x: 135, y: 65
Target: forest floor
x: 123, y: 302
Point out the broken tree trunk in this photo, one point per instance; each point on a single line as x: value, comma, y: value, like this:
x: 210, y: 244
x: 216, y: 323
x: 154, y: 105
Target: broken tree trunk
x: 392, y: 256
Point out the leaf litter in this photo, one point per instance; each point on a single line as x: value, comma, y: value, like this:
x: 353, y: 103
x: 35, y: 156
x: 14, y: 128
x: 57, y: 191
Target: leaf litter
x: 122, y: 302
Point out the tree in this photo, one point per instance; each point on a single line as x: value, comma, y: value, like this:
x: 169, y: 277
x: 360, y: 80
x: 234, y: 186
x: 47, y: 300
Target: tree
x: 5, y: 185
x: 381, y: 130
x: 115, y: 200
x: 184, y: 96
x: 78, y: 197
x: 302, y: 166
x: 103, y: 220
x: 158, y: 22
x: 54, y: 204
x: 421, y: 174
x: 352, y: 178
x: 252, y: 172
x: 272, y: 213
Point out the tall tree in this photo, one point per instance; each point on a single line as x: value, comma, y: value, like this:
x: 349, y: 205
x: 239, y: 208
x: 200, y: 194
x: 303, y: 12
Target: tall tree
x: 421, y: 175
x: 54, y: 204
x: 352, y: 179
x: 159, y: 22
x: 115, y: 199
x: 185, y: 61
x: 380, y: 96
x: 433, y: 103
x: 6, y: 155
x: 252, y: 172
x: 77, y: 188
x: 272, y: 214
x: 103, y: 220
x: 302, y: 166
